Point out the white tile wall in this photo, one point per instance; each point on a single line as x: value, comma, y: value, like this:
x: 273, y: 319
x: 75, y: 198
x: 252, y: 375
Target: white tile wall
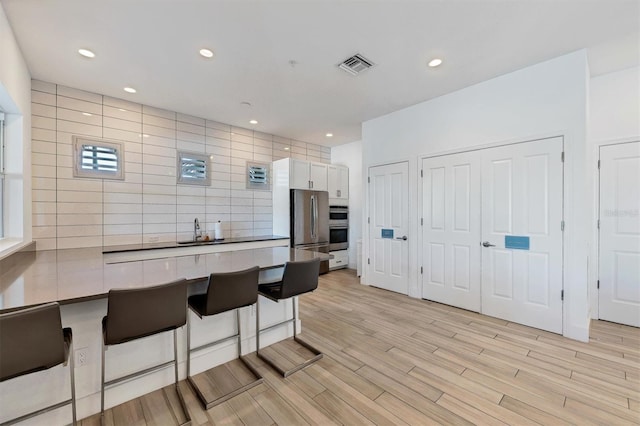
x: 147, y: 205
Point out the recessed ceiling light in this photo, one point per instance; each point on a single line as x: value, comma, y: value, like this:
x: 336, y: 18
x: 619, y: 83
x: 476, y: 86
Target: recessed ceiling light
x: 253, y: 121
x: 130, y: 90
x: 286, y: 148
x: 435, y: 62
x: 206, y: 53
x: 329, y: 135
x: 122, y: 109
x: 86, y: 53
x: 143, y: 135
x: 87, y: 114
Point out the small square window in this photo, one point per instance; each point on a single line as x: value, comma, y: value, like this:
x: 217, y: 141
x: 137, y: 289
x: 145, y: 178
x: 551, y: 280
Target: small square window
x: 258, y: 176
x: 193, y: 169
x: 96, y: 158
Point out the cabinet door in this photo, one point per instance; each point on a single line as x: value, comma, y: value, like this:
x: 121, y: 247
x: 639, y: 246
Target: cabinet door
x: 299, y: 174
x: 318, y: 176
x: 332, y: 181
x: 343, y: 183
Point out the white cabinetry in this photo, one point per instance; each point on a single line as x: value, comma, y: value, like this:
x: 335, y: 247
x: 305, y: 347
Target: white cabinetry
x: 306, y: 175
x: 338, y: 185
x: 289, y: 173
x: 340, y: 259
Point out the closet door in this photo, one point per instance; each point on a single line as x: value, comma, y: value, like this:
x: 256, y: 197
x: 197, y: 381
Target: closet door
x: 451, y: 229
x: 619, y: 294
x: 521, y: 233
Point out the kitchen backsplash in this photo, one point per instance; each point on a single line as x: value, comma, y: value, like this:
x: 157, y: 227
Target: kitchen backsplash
x: 148, y: 205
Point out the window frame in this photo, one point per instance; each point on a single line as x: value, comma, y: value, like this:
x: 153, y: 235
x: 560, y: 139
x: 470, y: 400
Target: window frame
x: 264, y: 186
x: 79, y: 172
x: 186, y: 180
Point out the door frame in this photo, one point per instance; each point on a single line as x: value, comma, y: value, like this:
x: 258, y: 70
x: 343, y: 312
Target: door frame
x: 420, y: 185
x: 412, y: 277
x: 594, y: 272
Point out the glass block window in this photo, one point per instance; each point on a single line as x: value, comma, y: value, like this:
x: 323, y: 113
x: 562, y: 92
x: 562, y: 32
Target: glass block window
x: 257, y: 176
x: 193, y: 169
x: 96, y: 158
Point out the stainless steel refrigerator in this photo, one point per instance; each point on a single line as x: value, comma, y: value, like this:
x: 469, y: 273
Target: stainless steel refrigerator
x: 310, y: 222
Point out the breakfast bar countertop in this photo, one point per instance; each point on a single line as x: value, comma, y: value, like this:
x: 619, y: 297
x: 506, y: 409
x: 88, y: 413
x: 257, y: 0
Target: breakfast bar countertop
x: 75, y: 275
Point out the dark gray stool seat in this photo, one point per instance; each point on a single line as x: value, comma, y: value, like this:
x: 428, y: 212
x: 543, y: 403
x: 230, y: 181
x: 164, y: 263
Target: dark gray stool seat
x: 297, y: 278
x: 225, y: 292
x: 136, y: 313
x: 33, y: 340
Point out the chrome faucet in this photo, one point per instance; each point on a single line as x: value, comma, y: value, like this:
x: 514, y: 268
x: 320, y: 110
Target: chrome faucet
x: 197, y: 233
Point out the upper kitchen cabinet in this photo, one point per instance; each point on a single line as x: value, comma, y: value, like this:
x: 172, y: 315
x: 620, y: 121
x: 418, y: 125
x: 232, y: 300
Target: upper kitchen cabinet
x: 338, y: 184
x: 306, y: 175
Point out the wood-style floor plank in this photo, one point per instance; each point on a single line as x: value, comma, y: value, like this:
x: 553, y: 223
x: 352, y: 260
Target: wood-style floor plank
x: 393, y: 360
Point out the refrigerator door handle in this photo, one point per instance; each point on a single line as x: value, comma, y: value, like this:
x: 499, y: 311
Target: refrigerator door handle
x: 313, y: 216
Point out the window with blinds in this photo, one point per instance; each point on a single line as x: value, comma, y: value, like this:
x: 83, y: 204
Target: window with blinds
x: 95, y: 158
x: 257, y: 176
x: 193, y: 169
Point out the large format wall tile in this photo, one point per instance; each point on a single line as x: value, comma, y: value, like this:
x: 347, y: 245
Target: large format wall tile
x: 148, y: 205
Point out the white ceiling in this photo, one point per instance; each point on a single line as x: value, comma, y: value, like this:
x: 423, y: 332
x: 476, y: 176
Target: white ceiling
x: 153, y: 45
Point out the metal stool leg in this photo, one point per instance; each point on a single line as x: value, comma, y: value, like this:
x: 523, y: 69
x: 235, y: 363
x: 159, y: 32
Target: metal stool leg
x: 102, y: 385
x: 258, y: 378
x: 188, y: 343
x: 73, y: 383
x: 286, y: 373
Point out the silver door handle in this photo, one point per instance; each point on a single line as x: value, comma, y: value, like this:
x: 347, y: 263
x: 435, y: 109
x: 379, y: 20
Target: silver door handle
x: 487, y: 244
x: 403, y: 238
x: 313, y: 216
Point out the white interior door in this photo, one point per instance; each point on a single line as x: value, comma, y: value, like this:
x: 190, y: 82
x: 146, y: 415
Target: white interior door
x: 451, y: 229
x: 619, y: 294
x: 389, y: 217
x: 522, y: 197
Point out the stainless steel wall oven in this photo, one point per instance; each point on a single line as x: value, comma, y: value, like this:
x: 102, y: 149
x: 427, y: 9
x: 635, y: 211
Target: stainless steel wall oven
x: 338, y: 228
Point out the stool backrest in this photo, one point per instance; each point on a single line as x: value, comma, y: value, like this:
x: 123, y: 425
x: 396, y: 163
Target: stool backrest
x: 140, y: 312
x: 31, y: 340
x: 232, y: 290
x: 299, y: 277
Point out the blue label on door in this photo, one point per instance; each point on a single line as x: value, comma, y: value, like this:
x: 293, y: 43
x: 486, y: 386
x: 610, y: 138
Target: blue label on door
x: 516, y: 242
x: 387, y: 233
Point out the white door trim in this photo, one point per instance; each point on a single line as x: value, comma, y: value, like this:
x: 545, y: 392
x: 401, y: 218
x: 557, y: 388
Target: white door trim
x: 414, y: 273
x: 406, y: 166
x: 594, y: 272
x: 421, y: 214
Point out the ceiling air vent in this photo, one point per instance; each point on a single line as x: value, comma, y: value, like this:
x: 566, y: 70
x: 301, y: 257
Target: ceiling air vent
x: 356, y: 64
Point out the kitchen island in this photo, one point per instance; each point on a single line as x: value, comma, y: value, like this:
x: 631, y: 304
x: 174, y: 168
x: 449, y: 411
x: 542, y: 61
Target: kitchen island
x: 80, y: 279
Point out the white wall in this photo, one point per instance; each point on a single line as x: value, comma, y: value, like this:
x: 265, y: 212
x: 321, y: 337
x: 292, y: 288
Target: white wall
x: 15, y: 100
x: 350, y: 155
x: 546, y: 99
x: 614, y: 105
x: 148, y: 206
x: 614, y: 108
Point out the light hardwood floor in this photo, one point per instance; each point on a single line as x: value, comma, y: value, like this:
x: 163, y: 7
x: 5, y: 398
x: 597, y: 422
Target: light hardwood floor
x: 390, y: 359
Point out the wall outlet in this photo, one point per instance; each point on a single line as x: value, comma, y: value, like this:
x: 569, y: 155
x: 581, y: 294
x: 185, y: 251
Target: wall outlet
x: 81, y: 356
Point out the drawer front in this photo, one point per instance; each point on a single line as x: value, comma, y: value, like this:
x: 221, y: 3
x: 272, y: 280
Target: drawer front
x: 340, y: 259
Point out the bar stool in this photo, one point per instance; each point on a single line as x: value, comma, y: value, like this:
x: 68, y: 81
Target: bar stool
x: 33, y: 340
x: 136, y: 313
x: 225, y: 291
x: 298, y: 278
